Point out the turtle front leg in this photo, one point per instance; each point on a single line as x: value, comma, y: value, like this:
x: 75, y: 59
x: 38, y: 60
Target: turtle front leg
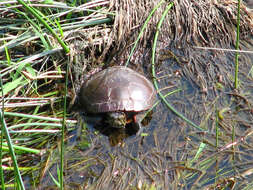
x: 136, y: 125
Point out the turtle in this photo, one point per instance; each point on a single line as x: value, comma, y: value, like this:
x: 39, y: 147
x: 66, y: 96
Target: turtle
x: 117, y: 94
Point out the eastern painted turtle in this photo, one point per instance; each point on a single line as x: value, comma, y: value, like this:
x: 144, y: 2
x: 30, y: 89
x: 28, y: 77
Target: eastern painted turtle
x: 118, y: 94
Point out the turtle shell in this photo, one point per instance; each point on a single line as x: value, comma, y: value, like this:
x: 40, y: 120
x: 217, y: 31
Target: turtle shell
x: 117, y: 88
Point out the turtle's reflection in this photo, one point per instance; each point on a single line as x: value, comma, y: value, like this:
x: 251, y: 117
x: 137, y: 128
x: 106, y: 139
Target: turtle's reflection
x: 116, y: 136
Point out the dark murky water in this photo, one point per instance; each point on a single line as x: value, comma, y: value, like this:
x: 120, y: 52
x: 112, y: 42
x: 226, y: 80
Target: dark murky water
x: 166, y: 155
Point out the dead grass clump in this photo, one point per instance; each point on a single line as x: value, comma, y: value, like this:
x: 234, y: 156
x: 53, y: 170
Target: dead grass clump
x: 201, y: 22
x: 189, y: 23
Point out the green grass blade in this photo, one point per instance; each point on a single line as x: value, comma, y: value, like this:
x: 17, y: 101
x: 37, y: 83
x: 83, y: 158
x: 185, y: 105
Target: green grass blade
x: 36, y: 117
x: 10, y: 145
x: 142, y: 30
x: 25, y: 149
x: 63, y: 128
x: 54, y: 180
x: 198, y: 153
x: 7, y: 54
x: 154, y: 75
x: 59, y: 27
x: 217, y: 129
x: 35, y: 14
x: 2, y: 138
x: 237, y: 45
x: 13, y: 85
x: 36, y: 28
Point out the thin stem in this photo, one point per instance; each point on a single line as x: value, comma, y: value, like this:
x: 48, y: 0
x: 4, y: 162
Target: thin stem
x: 63, y: 129
x: 2, y: 138
x: 237, y: 45
x: 153, y: 72
x: 142, y: 30
x: 35, y: 14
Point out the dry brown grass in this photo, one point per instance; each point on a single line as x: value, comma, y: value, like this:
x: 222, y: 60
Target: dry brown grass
x: 202, y: 23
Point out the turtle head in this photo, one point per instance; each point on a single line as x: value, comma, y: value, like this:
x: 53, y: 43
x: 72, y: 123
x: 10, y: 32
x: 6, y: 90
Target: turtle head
x: 116, y: 119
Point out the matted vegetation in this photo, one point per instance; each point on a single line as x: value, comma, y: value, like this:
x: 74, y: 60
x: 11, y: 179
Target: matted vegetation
x: 189, y: 47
